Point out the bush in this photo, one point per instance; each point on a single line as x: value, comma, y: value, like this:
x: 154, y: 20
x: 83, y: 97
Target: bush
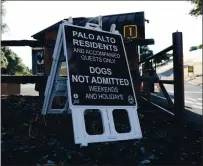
x: 12, y: 63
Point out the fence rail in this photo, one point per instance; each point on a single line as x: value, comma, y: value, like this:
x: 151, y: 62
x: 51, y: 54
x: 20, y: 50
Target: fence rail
x: 23, y: 79
x: 170, y: 48
x: 179, y: 98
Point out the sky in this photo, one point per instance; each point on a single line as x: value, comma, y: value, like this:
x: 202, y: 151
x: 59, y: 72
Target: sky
x: 25, y: 18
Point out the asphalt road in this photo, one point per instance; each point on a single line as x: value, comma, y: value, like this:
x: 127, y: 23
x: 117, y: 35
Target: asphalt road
x: 28, y: 90
x: 193, y: 97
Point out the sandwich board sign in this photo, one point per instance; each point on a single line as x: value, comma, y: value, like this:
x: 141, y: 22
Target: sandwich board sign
x: 98, y: 77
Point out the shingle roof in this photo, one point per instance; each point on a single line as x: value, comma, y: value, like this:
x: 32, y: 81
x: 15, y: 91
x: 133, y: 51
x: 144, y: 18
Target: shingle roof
x: 119, y: 19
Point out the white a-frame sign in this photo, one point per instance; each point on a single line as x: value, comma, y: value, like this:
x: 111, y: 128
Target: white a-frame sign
x: 98, y: 77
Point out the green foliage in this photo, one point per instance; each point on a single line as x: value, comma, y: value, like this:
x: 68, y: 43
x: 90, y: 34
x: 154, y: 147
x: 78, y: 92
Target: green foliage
x: 197, y: 10
x: 13, y: 63
x: 145, y: 52
x: 4, y: 61
x: 192, y: 48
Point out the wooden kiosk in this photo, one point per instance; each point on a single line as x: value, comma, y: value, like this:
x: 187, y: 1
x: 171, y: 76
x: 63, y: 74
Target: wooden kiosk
x: 130, y: 25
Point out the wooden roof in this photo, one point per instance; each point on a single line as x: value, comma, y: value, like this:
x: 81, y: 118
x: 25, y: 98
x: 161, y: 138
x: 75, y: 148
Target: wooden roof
x: 119, y: 19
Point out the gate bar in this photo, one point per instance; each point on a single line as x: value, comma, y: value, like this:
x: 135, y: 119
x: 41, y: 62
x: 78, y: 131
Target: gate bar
x: 157, y: 54
x: 153, y: 79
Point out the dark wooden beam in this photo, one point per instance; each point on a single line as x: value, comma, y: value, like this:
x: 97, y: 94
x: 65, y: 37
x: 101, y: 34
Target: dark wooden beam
x: 23, y: 79
x: 139, y: 42
x: 30, y: 43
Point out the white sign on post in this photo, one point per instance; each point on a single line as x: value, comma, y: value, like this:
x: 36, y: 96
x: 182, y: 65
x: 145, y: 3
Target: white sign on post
x: 98, y: 77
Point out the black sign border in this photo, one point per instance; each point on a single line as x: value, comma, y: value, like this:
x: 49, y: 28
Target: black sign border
x: 68, y: 74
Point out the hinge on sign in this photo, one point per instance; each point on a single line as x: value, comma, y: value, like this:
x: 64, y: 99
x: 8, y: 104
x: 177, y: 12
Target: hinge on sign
x: 69, y: 21
x: 95, y: 26
x: 113, y: 29
x: 92, y: 26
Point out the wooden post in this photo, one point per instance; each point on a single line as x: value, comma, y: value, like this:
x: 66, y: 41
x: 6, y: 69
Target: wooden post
x: 179, y: 99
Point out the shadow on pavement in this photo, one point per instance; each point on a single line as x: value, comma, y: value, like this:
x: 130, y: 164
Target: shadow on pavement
x: 189, y: 115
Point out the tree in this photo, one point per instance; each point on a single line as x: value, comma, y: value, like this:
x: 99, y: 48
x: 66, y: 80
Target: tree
x: 145, y: 52
x: 11, y: 63
x: 197, y: 10
x: 4, y: 61
x: 192, y: 48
